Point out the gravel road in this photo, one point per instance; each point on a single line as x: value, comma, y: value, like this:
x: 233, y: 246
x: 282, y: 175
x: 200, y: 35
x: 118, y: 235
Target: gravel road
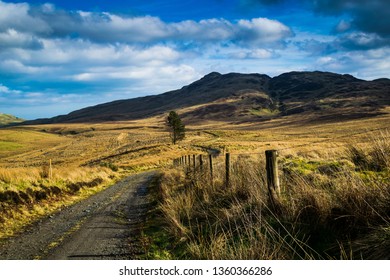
x: 104, y: 226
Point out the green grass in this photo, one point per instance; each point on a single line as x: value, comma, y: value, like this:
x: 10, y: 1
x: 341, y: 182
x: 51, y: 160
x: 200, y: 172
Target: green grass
x: 8, y: 119
x: 16, y: 141
x: 305, y: 166
x: 264, y: 112
x: 9, y: 146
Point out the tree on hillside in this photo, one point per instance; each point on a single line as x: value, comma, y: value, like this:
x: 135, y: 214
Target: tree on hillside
x: 176, y: 127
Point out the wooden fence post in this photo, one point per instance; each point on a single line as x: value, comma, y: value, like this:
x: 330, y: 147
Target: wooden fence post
x: 211, y: 168
x: 227, y: 167
x: 50, y: 170
x: 194, y: 161
x: 272, y: 171
x: 201, y: 162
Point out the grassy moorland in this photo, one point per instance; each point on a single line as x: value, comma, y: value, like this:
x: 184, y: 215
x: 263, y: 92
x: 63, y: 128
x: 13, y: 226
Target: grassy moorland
x: 334, y: 202
x: 45, y: 167
x: 332, y: 205
x: 327, y: 208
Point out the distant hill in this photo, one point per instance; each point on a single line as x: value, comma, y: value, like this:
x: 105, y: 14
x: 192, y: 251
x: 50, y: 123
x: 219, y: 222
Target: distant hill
x: 329, y: 95
x: 6, y: 119
x: 249, y: 97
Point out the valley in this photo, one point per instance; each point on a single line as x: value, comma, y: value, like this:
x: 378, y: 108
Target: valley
x: 48, y: 165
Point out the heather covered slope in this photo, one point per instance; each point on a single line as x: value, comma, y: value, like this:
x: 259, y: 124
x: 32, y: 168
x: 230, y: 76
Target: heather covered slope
x: 208, y: 89
x: 250, y: 97
x: 330, y: 95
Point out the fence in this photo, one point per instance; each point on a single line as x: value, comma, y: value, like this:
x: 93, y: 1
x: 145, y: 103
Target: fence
x: 192, y: 163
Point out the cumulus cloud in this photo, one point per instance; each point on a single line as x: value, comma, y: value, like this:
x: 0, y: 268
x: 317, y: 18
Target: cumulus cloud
x: 366, y: 64
x: 52, y: 56
x: 262, y: 30
x: 14, y: 39
x: 48, y: 22
x: 48, y: 53
x: 18, y: 17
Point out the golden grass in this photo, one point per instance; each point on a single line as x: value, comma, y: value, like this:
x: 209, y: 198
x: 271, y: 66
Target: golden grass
x: 327, y: 208
x: 26, y: 196
x: 81, y: 153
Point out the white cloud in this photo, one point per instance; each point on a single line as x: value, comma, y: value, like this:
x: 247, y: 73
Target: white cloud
x: 17, y: 17
x: 75, y: 59
x: 15, y: 39
x: 5, y: 90
x: 362, y: 41
x: 263, y: 30
x: 204, y: 30
x: 325, y: 60
x: 49, y: 22
x: 251, y: 54
x: 362, y: 64
x: 164, y: 73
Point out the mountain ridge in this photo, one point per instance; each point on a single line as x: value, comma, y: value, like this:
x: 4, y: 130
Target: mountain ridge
x: 247, y: 97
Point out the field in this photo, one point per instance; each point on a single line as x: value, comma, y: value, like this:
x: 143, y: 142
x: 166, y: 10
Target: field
x: 44, y: 167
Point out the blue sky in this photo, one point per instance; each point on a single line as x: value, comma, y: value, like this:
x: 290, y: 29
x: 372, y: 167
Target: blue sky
x: 59, y: 56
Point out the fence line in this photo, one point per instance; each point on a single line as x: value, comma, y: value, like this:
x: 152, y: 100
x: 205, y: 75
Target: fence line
x: 273, y: 183
x: 271, y: 168
x: 187, y: 159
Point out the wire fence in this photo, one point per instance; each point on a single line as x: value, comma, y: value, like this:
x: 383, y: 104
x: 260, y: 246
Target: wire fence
x: 211, y: 161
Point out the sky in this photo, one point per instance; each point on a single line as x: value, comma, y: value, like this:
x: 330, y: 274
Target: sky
x: 58, y: 56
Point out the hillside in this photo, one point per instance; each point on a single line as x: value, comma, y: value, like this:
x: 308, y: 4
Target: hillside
x: 9, y: 119
x: 333, y: 179
x: 330, y: 95
x: 249, y: 97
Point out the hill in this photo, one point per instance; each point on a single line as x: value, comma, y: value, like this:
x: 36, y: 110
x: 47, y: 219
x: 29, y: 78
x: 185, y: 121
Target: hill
x: 6, y: 119
x: 330, y: 95
x: 249, y: 97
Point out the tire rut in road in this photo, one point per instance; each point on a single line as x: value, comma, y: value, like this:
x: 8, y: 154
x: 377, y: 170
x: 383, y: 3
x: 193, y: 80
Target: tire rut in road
x: 97, y: 228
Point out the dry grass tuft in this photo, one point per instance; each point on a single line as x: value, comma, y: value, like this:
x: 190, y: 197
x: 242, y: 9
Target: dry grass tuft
x: 327, y: 208
x: 27, y: 194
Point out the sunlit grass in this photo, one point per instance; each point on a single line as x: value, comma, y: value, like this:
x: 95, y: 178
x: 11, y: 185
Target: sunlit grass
x: 82, y: 153
x: 327, y: 209
x: 27, y: 194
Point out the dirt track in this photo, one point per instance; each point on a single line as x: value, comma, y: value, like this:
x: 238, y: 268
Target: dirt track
x: 103, y: 226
